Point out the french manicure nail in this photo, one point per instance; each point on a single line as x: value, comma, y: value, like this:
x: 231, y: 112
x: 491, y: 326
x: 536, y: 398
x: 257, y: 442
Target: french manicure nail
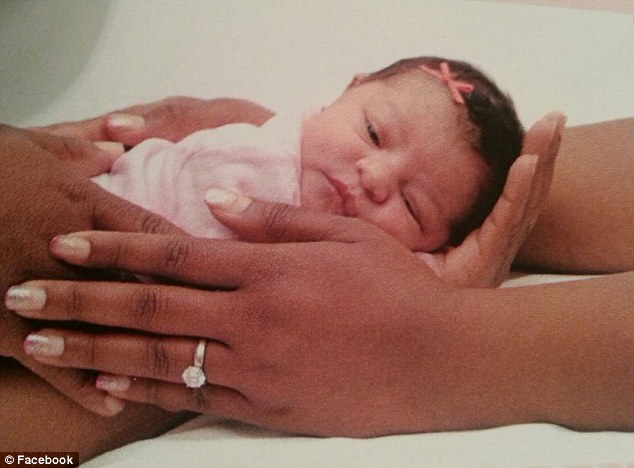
x: 44, y: 345
x: 227, y: 200
x: 126, y: 121
x: 70, y: 247
x: 112, y: 383
x: 25, y: 298
x: 113, y: 404
x: 111, y: 147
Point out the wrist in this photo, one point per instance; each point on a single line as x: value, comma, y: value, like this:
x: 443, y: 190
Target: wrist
x: 496, y: 375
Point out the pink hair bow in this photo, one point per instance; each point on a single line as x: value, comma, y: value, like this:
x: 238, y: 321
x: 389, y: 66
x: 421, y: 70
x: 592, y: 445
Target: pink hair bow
x: 454, y: 85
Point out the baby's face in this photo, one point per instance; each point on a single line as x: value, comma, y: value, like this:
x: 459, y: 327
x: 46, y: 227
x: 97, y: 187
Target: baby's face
x: 392, y: 153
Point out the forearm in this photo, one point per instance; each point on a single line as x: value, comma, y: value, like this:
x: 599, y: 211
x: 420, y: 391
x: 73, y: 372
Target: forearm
x: 586, y: 224
x: 564, y: 358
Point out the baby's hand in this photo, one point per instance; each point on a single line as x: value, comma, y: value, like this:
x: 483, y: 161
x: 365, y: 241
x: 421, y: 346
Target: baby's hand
x: 485, y: 257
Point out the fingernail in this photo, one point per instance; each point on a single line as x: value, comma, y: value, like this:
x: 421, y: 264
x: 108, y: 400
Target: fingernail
x: 25, y: 298
x: 227, y: 200
x: 70, y: 247
x: 113, y: 404
x: 44, y: 345
x: 112, y: 383
x: 112, y: 147
x: 125, y: 121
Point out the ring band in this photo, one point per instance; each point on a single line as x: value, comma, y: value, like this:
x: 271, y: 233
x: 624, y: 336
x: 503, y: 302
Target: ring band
x: 194, y: 376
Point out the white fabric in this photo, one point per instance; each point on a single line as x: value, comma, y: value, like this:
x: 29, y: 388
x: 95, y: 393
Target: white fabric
x: 171, y: 179
x: 230, y: 445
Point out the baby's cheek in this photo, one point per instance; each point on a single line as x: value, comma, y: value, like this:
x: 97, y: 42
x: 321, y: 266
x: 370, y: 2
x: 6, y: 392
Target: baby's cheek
x: 388, y: 218
x: 396, y: 222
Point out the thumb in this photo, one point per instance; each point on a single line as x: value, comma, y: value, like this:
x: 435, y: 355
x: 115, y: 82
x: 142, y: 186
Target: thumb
x: 258, y: 221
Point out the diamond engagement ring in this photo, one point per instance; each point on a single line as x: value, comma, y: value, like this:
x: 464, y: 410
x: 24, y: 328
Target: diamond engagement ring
x: 194, y: 376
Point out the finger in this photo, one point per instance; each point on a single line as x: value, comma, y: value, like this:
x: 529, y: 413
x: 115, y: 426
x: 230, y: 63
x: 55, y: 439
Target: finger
x: 176, y: 117
x: 218, y: 264
x: 540, y: 136
x: 498, y: 233
x: 260, y: 221
x: 159, y: 358
x: 77, y: 385
x: 209, y: 399
x: 91, y: 129
x: 87, y: 158
x: 550, y: 135
x: 145, y: 307
x: 115, y: 214
x: 528, y: 181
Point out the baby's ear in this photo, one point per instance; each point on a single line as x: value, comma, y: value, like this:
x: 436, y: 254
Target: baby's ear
x: 357, y: 79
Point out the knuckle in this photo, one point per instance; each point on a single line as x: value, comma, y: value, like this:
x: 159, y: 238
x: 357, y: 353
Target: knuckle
x: 69, y: 147
x: 84, y: 384
x: 80, y: 386
x: 197, y: 401
x: 76, y: 190
x: 152, y: 393
x: 177, y: 252
x: 148, y: 305
x: 171, y: 109
x: 91, y: 351
x: 278, y: 219
x: 74, y: 304
x: 151, y: 224
x: 156, y: 358
x: 116, y: 254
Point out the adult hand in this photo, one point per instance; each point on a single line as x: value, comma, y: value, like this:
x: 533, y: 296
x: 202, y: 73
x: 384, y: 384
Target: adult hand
x: 485, y: 257
x: 322, y: 314
x: 42, y: 197
x: 172, y: 118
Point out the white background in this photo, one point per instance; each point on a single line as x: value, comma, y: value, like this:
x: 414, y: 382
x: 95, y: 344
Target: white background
x: 71, y: 59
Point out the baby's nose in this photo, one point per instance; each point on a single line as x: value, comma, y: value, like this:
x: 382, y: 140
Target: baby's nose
x: 374, y: 179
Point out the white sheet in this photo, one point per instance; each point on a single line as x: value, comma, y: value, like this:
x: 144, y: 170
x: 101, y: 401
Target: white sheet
x: 62, y: 60
x: 234, y: 445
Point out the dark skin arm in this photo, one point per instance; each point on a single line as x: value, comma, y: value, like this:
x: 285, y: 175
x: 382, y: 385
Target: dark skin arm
x: 586, y: 223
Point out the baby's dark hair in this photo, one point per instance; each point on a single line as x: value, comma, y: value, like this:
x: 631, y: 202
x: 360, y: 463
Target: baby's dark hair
x: 499, y: 138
